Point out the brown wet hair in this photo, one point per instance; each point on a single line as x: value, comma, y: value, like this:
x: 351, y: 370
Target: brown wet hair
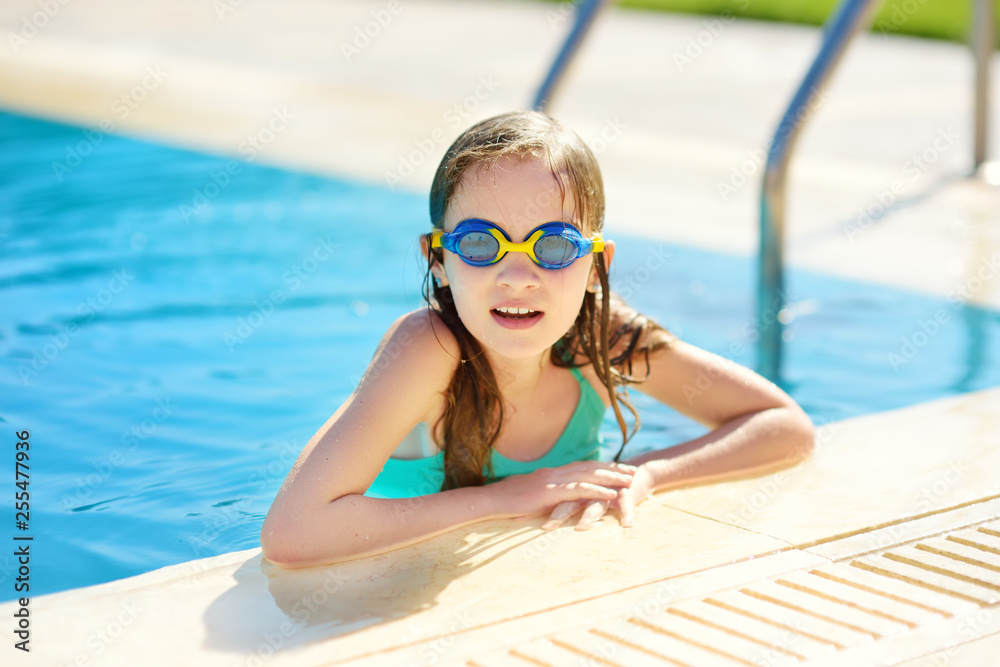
x: 473, y: 414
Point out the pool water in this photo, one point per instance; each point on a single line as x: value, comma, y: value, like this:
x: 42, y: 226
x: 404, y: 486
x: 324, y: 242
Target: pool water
x: 171, y: 338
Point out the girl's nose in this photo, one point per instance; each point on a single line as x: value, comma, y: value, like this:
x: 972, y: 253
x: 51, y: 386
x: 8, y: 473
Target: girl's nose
x: 517, y: 271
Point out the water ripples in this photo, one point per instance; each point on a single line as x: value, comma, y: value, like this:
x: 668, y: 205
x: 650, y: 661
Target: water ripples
x: 170, y: 367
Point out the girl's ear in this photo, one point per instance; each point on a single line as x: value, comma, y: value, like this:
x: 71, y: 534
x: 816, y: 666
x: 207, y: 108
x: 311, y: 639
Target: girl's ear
x: 436, y: 268
x: 609, y: 252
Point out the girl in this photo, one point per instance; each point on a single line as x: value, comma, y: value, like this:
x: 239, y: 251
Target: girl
x: 488, y: 402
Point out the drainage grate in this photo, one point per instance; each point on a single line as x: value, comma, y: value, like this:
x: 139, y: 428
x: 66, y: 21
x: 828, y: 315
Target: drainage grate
x: 946, y: 586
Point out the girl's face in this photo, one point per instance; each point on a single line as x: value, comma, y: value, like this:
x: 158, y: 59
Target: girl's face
x: 517, y: 195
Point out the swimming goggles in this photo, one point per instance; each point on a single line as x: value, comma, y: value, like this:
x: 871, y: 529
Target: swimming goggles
x: 554, y: 245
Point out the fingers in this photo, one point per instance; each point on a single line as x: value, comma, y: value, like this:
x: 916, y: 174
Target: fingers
x: 594, y: 510
x: 587, y: 491
x: 582, y: 484
x: 614, y: 475
x: 591, y: 495
x: 562, y: 512
x: 626, y: 507
x: 617, y: 471
x: 591, y: 514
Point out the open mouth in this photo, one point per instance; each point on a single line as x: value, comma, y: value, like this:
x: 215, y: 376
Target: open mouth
x: 516, y: 313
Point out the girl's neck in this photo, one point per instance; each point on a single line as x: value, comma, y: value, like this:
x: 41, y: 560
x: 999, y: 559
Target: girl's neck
x: 519, y: 376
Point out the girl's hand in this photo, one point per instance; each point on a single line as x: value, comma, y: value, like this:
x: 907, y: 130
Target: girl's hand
x: 524, y: 496
x: 626, y: 501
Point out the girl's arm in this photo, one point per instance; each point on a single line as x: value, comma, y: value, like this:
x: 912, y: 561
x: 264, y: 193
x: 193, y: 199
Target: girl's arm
x: 321, y: 514
x: 755, y: 425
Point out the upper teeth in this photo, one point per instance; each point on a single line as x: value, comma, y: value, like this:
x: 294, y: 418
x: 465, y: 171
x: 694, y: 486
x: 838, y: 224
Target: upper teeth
x: 515, y: 311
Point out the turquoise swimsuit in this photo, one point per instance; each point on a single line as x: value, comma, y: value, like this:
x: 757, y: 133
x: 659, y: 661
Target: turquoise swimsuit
x: 581, y: 441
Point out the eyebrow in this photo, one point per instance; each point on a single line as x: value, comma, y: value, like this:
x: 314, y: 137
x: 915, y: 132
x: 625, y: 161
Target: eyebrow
x: 569, y: 223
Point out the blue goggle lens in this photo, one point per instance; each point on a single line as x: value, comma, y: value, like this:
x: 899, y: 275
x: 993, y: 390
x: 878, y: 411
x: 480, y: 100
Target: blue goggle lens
x: 556, y: 245
x: 478, y: 246
x: 552, y: 248
x: 555, y: 249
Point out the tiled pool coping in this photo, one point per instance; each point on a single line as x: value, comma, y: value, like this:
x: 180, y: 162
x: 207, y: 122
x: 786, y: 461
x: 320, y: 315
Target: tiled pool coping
x: 863, y: 554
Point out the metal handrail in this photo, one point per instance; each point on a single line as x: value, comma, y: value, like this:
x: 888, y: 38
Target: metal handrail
x: 586, y: 12
x: 850, y: 17
x: 983, y: 40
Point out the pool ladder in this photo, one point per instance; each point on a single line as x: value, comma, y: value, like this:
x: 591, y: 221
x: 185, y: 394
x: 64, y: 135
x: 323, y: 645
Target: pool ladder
x: 850, y: 18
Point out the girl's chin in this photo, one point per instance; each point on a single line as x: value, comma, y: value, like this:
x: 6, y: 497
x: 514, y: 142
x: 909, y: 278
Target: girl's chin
x: 515, y: 350
x: 519, y: 343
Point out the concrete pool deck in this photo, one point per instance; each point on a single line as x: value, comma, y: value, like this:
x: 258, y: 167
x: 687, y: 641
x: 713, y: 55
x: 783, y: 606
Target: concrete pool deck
x: 882, y: 549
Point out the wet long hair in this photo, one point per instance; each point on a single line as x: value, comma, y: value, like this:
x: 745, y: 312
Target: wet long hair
x: 474, y: 411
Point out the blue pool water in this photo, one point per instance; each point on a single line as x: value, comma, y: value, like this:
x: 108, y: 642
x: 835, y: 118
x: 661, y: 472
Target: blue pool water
x: 170, y: 355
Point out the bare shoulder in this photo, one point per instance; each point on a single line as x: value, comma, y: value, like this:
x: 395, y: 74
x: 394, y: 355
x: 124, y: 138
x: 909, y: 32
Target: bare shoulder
x: 418, y: 346
x: 404, y: 383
